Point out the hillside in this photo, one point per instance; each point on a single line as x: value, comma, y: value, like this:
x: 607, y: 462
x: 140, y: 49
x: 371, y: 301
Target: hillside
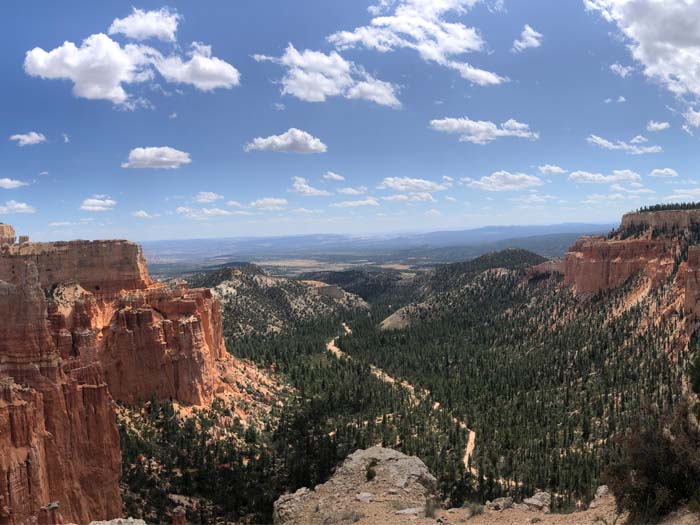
x: 255, y: 302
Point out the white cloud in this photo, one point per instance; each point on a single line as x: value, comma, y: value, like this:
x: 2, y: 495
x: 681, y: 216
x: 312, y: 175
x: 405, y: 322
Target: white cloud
x: 586, y: 177
x: 411, y: 185
x: 98, y: 203
x: 11, y: 184
x: 550, y: 169
x: 142, y: 25
x: 206, y: 197
x: 329, y: 175
x: 16, y: 207
x: 313, y: 76
x: 598, y: 198
x: 291, y: 141
x: 620, y: 70
x: 432, y: 213
x: 662, y: 37
x: 101, y: 68
x: 636, y: 190
x: 306, y: 211
x: 504, y: 181
x: 369, y: 201
x: 631, y: 147
x: 692, y: 118
x: 269, y: 203
x: 621, y: 99
x: 663, y: 172
x: 66, y: 138
x: 163, y: 157
x: 97, y: 68
x: 483, y: 131
x: 359, y: 190
x: 142, y: 214
x: 397, y: 198
x: 533, y: 198
x: 529, y: 38
x: 202, y: 214
x: 687, y: 194
x: 204, y: 72
x: 301, y: 185
x: 422, y: 26
x: 28, y: 139
x: 652, y: 125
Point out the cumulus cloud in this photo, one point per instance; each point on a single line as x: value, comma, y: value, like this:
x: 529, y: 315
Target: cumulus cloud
x: 100, y: 68
x: 206, y: 197
x: 313, y: 76
x: 599, y: 198
x: 142, y: 25
x: 633, y: 147
x: 301, y: 186
x: 551, y: 169
x: 97, y: 68
x: 161, y: 157
x: 142, y: 214
x: 652, y: 125
x: 11, y: 184
x: 483, y: 131
x: 98, y: 203
x: 369, y: 201
x: 620, y: 70
x: 504, y: 181
x: 16, y: 207
x: 587, y: 177
x: 422, y: 26
x: 662, y: 37
x: 269, y: 203
x: 529, y: 38
x: 359, y: 190
x: 291, y: 141
x: 663, y: 172
x: 329, y: 175
x: 204, y: 72
x: 28, y: 139
x: 411, y: 185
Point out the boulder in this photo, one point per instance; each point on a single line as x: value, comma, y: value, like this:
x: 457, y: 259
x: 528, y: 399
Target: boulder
x: 500, y: 503
x: 540, y: 501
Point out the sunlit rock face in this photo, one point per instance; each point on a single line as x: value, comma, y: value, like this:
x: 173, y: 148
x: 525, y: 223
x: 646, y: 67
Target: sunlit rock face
x: 84, y: 325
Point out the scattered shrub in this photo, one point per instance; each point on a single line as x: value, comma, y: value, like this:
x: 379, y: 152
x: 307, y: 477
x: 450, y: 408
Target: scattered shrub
x: 370, y: 471
x: 659, y: 468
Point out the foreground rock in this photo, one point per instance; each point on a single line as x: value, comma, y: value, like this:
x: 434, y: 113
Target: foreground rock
x: 83, y: 325
x: 372, y: 486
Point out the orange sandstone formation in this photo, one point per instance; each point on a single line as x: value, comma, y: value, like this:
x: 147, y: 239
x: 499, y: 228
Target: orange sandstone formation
x: 83, y: 325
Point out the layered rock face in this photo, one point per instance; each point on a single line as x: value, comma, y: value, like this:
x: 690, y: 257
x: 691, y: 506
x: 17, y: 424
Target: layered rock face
x: 594, y: 264
x: 7, y: 234
x: 664, y: 220
x: 58, y: 439
x: 84, y: 325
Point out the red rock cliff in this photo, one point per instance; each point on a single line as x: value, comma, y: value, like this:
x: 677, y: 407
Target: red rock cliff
x: 84, y: 324
x: 58, y: 438
x: 594, y: 264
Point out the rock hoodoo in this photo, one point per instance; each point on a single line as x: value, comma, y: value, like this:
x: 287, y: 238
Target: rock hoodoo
x: 83, y: 325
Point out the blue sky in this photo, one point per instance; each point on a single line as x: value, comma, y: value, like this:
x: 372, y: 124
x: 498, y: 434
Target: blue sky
x: 162, y: 121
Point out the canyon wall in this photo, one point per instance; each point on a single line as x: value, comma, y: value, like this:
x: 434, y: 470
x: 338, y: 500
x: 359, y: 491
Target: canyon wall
x: 664, y: 220
x: 84, y: 325
x: 594, y: 264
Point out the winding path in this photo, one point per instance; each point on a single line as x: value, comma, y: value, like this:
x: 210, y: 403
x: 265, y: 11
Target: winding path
x: 414, y: 393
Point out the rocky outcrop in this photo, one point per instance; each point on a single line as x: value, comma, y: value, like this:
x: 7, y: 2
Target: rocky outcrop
x: 58, y: 438
x: 83, y: 325
x: 7, y: 234
x: 98, y: 266
x: 595, y: 264
x: 376, y: 485
x: 662, y: 221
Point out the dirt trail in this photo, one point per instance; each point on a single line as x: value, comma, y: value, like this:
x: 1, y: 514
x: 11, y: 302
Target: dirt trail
x: 415, y: 394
